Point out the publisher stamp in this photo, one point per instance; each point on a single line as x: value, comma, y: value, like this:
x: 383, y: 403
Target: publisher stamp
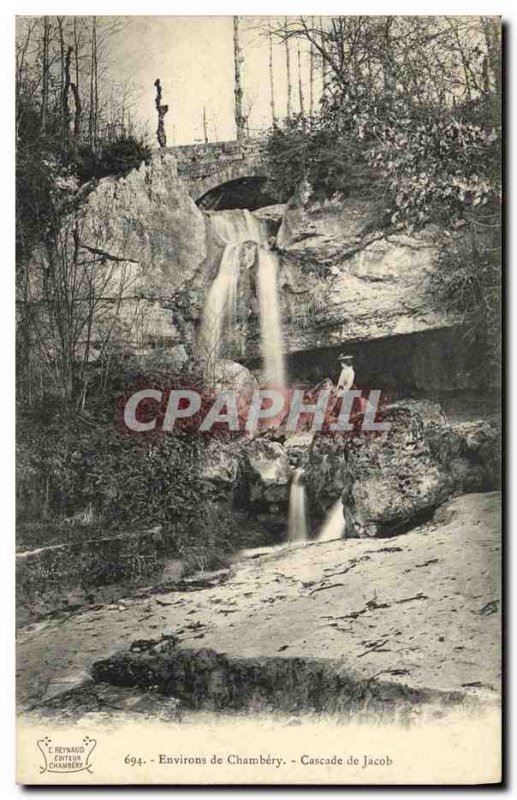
x: 67, y: 756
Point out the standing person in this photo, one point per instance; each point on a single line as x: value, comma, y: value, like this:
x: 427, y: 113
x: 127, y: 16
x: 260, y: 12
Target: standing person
x: 347, y: 375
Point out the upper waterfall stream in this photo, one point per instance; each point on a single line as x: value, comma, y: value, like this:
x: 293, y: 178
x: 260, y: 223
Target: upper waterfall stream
x: 235, y: 228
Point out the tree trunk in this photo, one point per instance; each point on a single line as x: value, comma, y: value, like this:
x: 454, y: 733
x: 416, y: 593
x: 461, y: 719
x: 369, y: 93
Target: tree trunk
x: 96, y: 91
x: 323, y: 62
x: 300, y: 85
x: 205, y: 129
x: 61, y: 58
x: 162, y: 110
x: 75, y: 87
x: 271, y: 79
x: 78, y: 111
x: 66, y: 92
x: 93, y: 81
x: 288, y: 73
x: 45, y: 74
x: 492, y: 32
x: 387, y: 56
x: 311, y: 77
x: 237, y: 61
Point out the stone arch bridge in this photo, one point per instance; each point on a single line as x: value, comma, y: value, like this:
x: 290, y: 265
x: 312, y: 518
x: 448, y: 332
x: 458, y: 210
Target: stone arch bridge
x: 224, y: 174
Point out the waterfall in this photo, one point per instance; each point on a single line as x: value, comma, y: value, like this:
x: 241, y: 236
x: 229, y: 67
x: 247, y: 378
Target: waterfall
x: 297, y: 527
x: 220, y: 305
x: 235, y: 228
x: 270, y: 320
x: 334, y: 525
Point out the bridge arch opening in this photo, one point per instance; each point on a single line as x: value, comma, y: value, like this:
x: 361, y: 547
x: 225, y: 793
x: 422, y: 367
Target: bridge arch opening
x: 249, y: 192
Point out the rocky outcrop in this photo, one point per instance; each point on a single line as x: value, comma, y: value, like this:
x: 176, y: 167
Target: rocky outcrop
x: 267, y: 474
x: 346, y: 283
x: 147, y: 218
x: 270, y: 468
x: 251, y: 477
x: 226, y: 374
x: 470, y: 451
x: 342, y: 281
x: 358, y: 283
x: 221, y: 466
x: 388, y: 482
x: 144, y: 239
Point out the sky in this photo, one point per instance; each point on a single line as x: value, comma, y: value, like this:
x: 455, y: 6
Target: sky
x: 193, y: 57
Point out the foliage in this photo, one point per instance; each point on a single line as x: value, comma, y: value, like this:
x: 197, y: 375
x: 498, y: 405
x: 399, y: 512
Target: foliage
x: 429, y: 164
x: 468, y: 282
x: 434, y: 162
x: 410, y: 103
x: 116, y: 157
x: 115, y: 480
x: 318, y: 153
x: 412, y: 109
x: 68, y: 136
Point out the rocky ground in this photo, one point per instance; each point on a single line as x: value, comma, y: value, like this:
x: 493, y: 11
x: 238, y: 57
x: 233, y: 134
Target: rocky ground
x: 418, y: 615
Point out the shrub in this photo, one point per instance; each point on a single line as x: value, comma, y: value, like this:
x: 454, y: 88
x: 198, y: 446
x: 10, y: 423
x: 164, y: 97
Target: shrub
x: 331, y: 163
x: 116, y: 157
x: 101, y: 477
x: 427, y: 162
x: 468, y: 283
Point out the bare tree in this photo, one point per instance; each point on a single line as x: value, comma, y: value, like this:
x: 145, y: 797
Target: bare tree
x: 288, y: 70
x: 248, y: 104
x: 300, y: 83
x: 321, y: 50
x: 74, y: 85
x: 66, y: 92
x: 92, y: 122
x: 205, y: 128
x: 162, y: 110
x: 311, y: 75
x: 429, y: 59
x: 271, y: 77
x: 72, y: 300
x: 45, y: 73
x: 237, y: 62
x: 492, y: 33
x: 77, y: 112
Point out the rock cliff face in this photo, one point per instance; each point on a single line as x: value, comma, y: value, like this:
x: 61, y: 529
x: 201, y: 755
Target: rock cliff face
x: 147, y: 217
x: 342, y: 282
x: 359, y: 284
x: 148, y: 240
x: 345, y: 284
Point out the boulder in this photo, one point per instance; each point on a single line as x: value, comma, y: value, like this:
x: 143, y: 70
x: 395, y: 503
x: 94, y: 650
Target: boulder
x: 471, y: 451
x: 268, y: 473
x: 390, y: 482
x: 227, y: 374
x: 221, y: 466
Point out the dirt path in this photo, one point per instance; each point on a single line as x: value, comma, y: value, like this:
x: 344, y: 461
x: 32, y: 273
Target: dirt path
x: 422, y: 608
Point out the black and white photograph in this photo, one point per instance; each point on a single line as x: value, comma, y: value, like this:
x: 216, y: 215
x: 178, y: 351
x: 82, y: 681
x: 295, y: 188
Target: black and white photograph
x: 259, y: 388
